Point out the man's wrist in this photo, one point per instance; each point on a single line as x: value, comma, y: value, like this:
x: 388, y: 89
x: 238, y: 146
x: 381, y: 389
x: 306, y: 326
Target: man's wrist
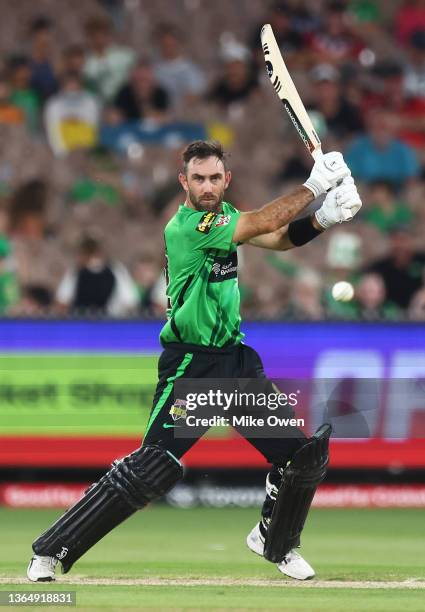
x: 313, y: 186
x: 316, y: 224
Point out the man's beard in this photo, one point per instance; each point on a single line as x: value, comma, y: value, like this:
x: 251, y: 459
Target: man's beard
x: 203, y: 205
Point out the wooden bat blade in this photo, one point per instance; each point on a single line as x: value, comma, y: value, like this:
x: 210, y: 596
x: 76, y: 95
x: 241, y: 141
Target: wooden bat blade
x: 286, y: 90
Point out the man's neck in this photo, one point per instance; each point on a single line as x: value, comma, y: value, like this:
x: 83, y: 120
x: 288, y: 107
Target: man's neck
x: 189, y: 204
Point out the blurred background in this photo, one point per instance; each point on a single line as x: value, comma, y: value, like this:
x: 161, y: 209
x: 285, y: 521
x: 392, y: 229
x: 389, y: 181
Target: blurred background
x: 96, y: 105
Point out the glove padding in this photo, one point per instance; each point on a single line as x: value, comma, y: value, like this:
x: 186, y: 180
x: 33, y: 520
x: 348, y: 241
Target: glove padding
x: 328, y: 171
x: 340, y: 204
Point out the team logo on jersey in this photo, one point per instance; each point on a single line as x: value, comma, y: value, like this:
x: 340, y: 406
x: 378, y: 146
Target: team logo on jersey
x: 224, y: 268
x: 206, y: 222
x: 178, y: 410
x: 222, y: 220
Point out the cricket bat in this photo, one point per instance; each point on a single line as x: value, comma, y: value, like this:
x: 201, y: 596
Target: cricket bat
x: 288, y: 94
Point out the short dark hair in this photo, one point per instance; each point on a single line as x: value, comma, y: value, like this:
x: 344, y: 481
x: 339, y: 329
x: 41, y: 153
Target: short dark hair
x: 201, y: 149
x: 383, y: 184
x: 168, y: 29
x: 89, y: 245
x: 97, y: 24
x: 337, y: 6
x: 15, y: 62
x: 40, y: 24
x: 39, y: 294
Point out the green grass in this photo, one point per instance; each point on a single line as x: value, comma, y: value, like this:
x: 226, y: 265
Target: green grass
x: 162, y: 542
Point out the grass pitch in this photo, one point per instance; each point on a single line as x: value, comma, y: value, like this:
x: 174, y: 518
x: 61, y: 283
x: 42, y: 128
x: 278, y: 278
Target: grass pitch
x: 170, y: 559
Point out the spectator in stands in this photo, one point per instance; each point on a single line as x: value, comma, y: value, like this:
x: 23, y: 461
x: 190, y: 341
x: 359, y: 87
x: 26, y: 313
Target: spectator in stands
x: 142, y: 97
x: 238, y: 80
x: 39, y: 257
x: 22, y: 95
x: 8, y: 282
x: 10, y: 113
x: 402, y: 270
x: 146, y: 274
x: 416, y: 310
x: 389, y: 93
x: 28, y: 209
x: 107, y: 65
x: 296, y: 165
x: 414, y: 75
x: 343, y: 257
x: 305, y: 298
x: 342, y: 119
x: 305, y: 19
x: 410, y: 17
x: 367, y: 14
x: 385, y: 210
x: 36, y: 302
x: 43, y: 78
x: 336, y: 43
x: 282, y: 16
x: 181, y: 78
x: 379, y: 155
x: 72, y: 117
x: 95, y: 286
x: 73, y: 60
x: 371, y: 302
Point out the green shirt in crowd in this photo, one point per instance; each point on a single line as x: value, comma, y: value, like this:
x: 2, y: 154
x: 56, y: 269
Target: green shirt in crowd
x: 386, y: 220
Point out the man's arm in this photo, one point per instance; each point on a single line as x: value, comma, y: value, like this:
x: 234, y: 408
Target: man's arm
x: 326, y: 174
x: 279, y: 240
x: 338, y: 202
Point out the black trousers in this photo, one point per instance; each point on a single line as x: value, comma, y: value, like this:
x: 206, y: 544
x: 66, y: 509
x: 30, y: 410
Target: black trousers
x: 188, y: 361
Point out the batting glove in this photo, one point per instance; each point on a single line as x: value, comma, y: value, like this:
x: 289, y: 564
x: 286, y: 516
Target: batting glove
x: 328, y: 171
x: 340, y: 204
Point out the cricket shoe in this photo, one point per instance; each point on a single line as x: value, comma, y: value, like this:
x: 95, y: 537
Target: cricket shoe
x: 293, y: 565
x: 42, y: 569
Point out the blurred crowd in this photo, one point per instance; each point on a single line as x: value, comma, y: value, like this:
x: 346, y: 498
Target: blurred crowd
x: 97, y: 102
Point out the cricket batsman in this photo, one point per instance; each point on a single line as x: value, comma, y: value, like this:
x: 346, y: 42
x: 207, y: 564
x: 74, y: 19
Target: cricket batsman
x: 202, y: 339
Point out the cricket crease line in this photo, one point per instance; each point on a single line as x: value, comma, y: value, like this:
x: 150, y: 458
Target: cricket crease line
x: 230, y: 582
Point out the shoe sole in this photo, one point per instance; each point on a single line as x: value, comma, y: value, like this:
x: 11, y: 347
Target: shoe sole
x: 296, y: 578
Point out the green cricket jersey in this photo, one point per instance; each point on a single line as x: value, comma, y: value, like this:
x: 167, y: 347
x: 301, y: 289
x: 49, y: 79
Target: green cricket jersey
x: 202, y: 282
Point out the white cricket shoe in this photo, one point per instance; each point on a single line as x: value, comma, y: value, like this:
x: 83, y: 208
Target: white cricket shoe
x: 42, y: 569
x: 293, y: 564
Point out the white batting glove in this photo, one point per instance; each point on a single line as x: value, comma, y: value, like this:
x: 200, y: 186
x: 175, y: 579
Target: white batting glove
x: 327, y: 172
x: 340, y: 204
x: 348, y: 198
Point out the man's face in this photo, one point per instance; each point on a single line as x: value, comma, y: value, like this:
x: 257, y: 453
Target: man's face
x: 205, y: 182
x: 99, y: 39
x: 169, y: 46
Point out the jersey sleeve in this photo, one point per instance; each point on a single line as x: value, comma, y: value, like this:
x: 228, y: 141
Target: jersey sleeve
x: 211, y: 230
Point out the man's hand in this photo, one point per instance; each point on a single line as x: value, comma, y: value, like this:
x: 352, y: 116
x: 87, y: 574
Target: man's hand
x: 327, y: 172
x: 341, y: 204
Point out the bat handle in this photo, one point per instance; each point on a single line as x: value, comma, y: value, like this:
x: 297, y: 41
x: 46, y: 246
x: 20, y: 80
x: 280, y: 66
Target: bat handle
x: 318, y: 154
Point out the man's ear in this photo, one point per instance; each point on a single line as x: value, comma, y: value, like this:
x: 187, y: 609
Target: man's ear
x: 228, y: 178
x: 183, y: 181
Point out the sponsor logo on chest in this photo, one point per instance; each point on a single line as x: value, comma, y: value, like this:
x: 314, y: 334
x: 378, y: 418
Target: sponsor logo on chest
x: 224, y: 268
